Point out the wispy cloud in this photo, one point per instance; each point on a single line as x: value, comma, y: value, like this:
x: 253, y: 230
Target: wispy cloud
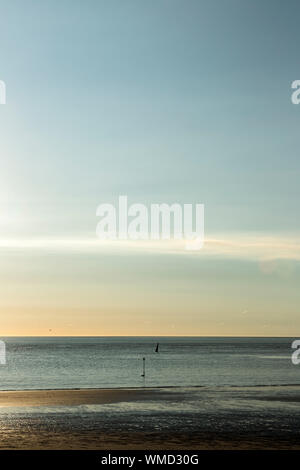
x: 258, y: 247
x: 254, y: 247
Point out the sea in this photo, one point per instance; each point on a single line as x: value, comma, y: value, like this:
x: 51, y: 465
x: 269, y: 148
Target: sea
x: 204, y: 386
x: 105, y: 362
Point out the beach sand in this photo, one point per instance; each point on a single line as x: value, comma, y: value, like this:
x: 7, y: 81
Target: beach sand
x: 118, y: 430
x: 74, y: 397
x: 140, y: 441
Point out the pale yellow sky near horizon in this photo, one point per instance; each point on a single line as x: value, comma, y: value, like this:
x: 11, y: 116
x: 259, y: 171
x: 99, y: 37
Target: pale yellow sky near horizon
x: 235, y: 286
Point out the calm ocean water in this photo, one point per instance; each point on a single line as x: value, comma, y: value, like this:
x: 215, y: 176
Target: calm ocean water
x: 206, y: 387
x: 44, y: 363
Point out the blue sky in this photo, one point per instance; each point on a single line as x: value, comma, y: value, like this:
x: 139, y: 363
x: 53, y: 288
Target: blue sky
x: 165, y: 101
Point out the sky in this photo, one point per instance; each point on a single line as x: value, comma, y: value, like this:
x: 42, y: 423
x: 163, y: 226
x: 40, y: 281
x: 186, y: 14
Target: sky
x: 163, y: 101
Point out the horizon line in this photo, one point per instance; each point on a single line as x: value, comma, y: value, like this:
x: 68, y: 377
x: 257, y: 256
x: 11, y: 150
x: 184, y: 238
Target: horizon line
x: 144, y: 336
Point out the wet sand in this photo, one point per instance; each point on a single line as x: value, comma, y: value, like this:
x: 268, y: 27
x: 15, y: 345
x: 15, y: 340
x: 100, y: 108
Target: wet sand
x: 75, y: 397
x: 133, y: 425
x: 141, y: 441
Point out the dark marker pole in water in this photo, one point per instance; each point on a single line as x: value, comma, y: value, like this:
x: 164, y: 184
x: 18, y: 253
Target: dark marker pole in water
x: 144, y: 371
